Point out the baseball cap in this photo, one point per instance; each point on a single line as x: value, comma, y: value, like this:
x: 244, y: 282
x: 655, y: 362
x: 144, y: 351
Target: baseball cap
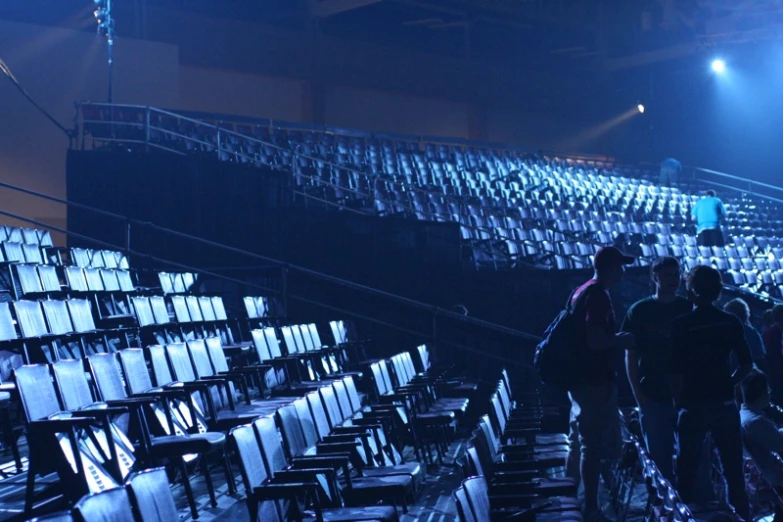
x: 610, y: 256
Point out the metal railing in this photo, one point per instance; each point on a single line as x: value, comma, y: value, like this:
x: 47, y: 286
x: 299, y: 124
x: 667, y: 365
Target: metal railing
x: 131, y: 124
x: 433, y: 315
x: 737, y: 183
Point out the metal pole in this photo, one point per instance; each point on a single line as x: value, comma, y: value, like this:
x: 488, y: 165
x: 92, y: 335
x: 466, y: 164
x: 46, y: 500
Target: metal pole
x: 110, y: 36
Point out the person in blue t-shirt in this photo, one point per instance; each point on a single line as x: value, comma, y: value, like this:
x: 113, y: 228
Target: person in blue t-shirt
x: 708, y: 213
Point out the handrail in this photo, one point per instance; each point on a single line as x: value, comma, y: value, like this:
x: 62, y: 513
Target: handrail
x: 748, y: 183
x: 370, y: 178
x: 290, y: 267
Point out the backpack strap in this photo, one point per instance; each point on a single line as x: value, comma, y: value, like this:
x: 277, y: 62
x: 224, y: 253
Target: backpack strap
x: 579, y: 300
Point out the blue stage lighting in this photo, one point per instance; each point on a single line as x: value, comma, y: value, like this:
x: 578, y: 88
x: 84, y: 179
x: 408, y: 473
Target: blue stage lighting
x: 718, y: 66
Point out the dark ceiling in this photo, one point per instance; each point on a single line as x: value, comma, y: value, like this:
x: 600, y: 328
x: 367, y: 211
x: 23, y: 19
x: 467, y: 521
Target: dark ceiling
x: 616, y: 33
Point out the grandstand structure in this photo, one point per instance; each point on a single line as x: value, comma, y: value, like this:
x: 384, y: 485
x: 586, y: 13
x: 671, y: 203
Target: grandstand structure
x: 513, y: 206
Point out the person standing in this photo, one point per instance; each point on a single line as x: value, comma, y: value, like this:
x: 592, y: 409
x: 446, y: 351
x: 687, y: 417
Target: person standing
x: 773, y: 344
x: 740, y: 308
x: 648, y: 363
x: 703, y: 389
x: 761, y: 436
x: 670, y: 172
x: 594, y: 401
x: 708, y: 213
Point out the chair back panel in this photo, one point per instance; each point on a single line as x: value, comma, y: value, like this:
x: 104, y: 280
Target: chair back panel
x: 72, y: 383
x: 151, y: 496
x: 37, y: 391
x: 107, y: 506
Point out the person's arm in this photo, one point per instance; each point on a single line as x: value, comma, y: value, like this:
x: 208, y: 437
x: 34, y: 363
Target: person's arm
x: 742, y: 352
x: 632, y: 359
x: 763, y: 433
x: 597, y: 310
x: 721, y: 210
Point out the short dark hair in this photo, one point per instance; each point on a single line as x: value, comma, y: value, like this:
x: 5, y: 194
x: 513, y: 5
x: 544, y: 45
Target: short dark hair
x: 711, y: 193
x: 754, y: 386
x: 664, y: 262
x: 739, y: 308
x: 705, y: 283
x: 777, y: 313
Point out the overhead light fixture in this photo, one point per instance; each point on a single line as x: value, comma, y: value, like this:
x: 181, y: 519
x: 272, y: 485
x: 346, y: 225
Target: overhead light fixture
x: 640, y: 108
x: 718, y: 66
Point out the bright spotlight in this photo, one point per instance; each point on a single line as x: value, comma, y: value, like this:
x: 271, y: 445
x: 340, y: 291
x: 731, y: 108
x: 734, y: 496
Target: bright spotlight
x: 718, y: 66
x: 640, y: 108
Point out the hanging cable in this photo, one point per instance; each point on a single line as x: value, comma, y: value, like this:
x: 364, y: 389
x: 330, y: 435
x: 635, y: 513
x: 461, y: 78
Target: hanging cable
x: 7, y: 72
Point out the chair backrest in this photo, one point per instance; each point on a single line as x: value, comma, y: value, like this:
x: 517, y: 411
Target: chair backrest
x: 194, y: 310
x: 112, y: 505
x: 205, y: 306
x: 272, y: 342
x: 13, y: 252
x: 181, y: 365
x: 353, y: 395
x: 29, y: 281
x: 474, y: 462
x: 74, y: 276
x: 124, y: 278
x: 94, y: 281
x: 319, y: 414
x: 81, y: 315
x: 49, y: 279
x: 302, y: 338
x: 314, y: 335
x: 341, y: 393
x: 478, y: 497
x: 107, y: 376
x: 56, y: 314
x: 72, y: 383
x: 151, y: 496
x: 250, y: 307
x: 109, y: 279
x: 259, y: 342
x: 271, y: 445
x: 331, y: 405
x: 216, y: 354
x: 291, y: 430
x: 463, y: 506
x: 306, y: 421
x: 219, y: 308
x: 180, y: 309
x: 109, y: 258
x: 166, y: 284
x: 251, y: 461
x: 290, y: 343
x: 160, y: 365
x: 30, y: 318
x: 159, y: 310
x: 7, y: 329
x: 200, y: 358
x: 134, y: 366
x: 141, y: 305
x: 36, y: 391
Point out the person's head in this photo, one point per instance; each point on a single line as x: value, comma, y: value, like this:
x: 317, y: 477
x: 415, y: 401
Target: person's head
x: 739, y: 308
x: 777, y: 314
x: 766, y: 318
x: 704, y: 285
x: 755, y: 389
x: 665, y: 273
x: 609, y: 263
x: 710, y: 193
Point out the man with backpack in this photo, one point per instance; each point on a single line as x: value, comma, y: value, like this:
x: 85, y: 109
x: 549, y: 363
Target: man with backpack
x: 594, y: 391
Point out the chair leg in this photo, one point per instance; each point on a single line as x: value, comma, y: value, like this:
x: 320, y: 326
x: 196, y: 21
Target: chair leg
x: 232, y: 486
x: 29, y: 492
x: 186, y: 484
x: 207, y: 478
x: 9, y: 438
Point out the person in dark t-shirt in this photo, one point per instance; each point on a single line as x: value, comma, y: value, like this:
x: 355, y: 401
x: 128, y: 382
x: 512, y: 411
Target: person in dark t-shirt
x: 648, y: 363
x: 594, y: 400
x: 773, y: 342
x: 703, y: 386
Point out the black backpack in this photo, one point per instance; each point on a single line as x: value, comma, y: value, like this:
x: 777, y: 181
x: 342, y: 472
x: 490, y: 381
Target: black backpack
x: 559, y: 356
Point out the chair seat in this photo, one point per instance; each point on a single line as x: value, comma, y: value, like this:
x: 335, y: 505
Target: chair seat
x: 411, y: 469
x: 360, y: 514
x: 436, y: 416
x: 183, y: 445
x: 373, y: 489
